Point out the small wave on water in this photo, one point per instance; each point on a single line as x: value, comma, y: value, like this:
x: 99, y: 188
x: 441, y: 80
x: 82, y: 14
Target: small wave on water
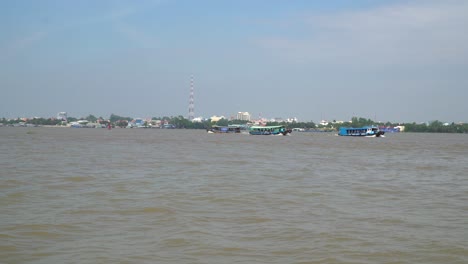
x: 145, y: 210
x: 79, y: 178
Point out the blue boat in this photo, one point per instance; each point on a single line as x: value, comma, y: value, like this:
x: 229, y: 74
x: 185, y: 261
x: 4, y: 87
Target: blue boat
x: 269, y: 130
x: 366, y: 131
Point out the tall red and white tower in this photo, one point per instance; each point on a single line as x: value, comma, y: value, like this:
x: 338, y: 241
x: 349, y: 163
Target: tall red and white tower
x: 191, y: 108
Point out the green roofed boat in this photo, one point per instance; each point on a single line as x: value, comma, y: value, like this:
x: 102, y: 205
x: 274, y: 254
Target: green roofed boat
x: 269, y: 130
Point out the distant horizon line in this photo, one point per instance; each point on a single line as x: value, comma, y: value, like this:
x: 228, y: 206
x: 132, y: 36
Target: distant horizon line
x: 227, y: 118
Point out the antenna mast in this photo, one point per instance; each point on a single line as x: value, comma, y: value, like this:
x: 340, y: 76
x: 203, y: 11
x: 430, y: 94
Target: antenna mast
x: 191, y: 109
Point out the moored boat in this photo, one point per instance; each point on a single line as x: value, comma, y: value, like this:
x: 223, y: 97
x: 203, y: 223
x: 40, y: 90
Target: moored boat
x: 269, y: 130
x: 366, y: 131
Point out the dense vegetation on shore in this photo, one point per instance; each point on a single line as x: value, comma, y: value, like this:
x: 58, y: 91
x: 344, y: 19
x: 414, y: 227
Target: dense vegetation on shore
x: 437, y: 127
x: 181, y: 122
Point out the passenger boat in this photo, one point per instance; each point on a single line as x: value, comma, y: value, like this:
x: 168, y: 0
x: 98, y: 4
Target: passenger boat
x: 224, y: 129
x: 269, y: 130
x: 366, y: 131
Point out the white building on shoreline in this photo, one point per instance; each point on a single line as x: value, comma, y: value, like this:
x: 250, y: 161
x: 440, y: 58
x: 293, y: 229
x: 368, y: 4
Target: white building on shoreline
x: 243, y: 116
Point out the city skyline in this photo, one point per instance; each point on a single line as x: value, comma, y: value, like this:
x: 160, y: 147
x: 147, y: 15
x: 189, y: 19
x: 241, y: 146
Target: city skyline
x: 397, y: 61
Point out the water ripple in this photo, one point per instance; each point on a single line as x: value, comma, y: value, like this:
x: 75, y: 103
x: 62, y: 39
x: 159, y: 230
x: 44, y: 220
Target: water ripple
x: 183, y: 196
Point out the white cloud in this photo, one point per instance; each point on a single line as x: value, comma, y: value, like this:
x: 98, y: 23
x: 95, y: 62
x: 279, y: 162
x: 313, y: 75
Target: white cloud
x: 415, y: 34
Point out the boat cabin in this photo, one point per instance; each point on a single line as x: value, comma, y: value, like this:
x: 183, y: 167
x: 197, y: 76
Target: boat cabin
x: 361, y: 131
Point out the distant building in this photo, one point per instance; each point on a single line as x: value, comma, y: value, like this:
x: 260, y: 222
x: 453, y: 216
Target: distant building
x: 62, y: 116
x: 198, y: 119
x: 243, y: 116
x: 139, y: 122
x: 216, y: 118
x: 260, y: 122
x: 155, y: 123
x: 323, y: 122
x: 291, y: 120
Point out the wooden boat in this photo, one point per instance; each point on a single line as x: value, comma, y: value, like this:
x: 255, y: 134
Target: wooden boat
x: 366, y: 131
x: 269, y: 130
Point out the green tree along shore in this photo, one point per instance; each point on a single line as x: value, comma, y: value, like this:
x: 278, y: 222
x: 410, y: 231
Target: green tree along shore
x: 181, y: 122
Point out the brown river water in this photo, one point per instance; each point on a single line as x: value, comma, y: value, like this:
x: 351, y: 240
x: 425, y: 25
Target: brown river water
x: 184, y: 196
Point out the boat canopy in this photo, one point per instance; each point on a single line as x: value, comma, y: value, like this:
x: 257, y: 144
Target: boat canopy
x: 266, y: 127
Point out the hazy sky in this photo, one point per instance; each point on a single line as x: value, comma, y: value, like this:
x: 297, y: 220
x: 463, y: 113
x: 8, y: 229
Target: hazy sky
x: 397, y: 61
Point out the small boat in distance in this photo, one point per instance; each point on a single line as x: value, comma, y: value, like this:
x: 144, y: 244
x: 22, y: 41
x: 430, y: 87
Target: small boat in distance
x: 224, y: 129
x: 366, y: 131
x: 269, y: 130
